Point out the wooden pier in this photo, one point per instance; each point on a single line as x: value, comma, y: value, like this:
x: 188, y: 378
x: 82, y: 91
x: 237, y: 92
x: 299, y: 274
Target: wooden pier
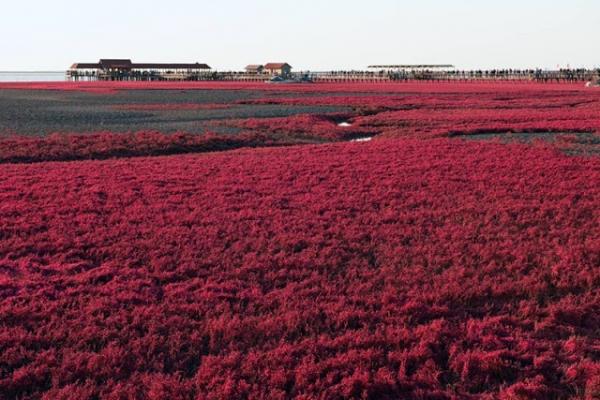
x: 125, y: 70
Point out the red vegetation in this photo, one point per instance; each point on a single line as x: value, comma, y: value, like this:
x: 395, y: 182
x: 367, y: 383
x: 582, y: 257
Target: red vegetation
x: 417, y: 269
x: 411, y: 267
x: 418, y: 110
x: 463, y: 112
x: 69, y: 147
x: 315, y: 127
x: 411, y: 87
x: 103, y: 145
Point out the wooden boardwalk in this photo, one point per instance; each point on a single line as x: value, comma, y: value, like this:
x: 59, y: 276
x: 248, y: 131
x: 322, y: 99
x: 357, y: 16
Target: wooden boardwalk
x: 353, y: 76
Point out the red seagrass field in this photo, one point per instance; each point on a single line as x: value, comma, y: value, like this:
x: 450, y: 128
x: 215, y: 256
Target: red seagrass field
x: 310, y: 241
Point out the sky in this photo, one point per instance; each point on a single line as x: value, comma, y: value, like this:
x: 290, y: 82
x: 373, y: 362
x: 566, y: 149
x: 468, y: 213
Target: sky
x: 309, y: 34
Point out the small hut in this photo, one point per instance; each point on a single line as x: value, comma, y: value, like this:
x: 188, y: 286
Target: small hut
x: 255, y: 69
x: 278, y: 69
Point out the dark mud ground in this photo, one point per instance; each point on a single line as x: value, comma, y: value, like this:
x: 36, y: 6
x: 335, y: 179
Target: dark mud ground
x: 580, y: 143
x: 43, y: 112
x: 38, y: 113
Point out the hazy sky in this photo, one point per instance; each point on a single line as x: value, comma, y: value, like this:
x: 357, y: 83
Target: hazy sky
x: 309, y: 34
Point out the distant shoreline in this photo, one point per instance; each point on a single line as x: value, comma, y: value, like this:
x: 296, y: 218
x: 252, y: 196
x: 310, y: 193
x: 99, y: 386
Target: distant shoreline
x: 32, y: 72
x: 33, y: 76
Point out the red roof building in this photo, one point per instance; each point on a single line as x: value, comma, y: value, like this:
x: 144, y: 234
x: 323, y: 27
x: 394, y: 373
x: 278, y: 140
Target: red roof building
x: 281, y: 69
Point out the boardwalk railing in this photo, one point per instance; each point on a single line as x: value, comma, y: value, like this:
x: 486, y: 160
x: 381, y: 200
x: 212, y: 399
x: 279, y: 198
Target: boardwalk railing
x: 491, y: 75
x: 563, y: 75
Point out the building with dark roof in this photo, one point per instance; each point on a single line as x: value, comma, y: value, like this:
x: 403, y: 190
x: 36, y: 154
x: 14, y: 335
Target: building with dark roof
x: 116, y: 64
x: 124, y: 69
x: 255, y: 69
